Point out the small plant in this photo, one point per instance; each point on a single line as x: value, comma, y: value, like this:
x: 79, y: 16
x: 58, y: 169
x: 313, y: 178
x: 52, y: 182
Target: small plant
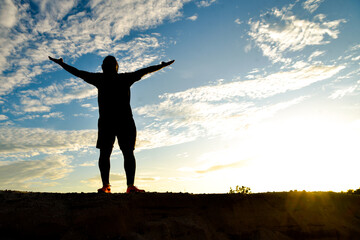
x: 351, y: 191
x: 241, y: 190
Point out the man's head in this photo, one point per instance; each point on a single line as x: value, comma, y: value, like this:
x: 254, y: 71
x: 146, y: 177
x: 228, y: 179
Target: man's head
x: 110, y: 65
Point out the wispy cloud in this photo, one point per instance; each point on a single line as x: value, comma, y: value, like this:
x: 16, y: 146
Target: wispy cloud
x: 41, y: 100
x: 284, y: 32
x: 315, y: 54
x: 261, y: 87
x: 205, y: 3
x: 25, y: 174
x: 23, y: 140
x: 3, y: 117
x: 312, y: 5
x: 238, y: 21
x: 193, y: 18
x: 53, y: 115
x: 340, y: 93
x: 221, y: 167
x: 88, y: 164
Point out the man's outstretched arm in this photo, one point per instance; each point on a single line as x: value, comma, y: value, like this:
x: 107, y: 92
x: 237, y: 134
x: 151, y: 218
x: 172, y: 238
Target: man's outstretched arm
x: 144, y: 71
x: 74, y: 71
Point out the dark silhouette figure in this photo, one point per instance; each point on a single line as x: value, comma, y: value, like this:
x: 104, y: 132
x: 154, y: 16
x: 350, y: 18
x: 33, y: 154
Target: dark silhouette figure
x: 115, y: 115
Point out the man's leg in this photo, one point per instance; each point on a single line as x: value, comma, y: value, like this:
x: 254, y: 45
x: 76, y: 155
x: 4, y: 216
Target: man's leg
x: 104, y: 165
x: 129, y: 165
x: 126, y: 141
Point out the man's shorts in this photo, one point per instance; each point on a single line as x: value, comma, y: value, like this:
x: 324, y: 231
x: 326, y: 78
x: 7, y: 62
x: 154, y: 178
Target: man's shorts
x: 124, y: 130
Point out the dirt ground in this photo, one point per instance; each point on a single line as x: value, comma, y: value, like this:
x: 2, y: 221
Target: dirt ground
x: 288, y: 215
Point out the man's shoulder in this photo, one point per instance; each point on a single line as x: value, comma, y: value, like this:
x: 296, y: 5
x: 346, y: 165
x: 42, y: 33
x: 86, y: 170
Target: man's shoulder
x: 130, y: 76
x: 126, y: 74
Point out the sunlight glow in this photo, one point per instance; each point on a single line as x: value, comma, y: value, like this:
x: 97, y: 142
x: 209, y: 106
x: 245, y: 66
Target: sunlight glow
x: 312, y: 154
x: 309, y: 153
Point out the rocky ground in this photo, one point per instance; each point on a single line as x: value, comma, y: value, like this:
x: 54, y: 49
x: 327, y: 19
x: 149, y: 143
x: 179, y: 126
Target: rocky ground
x: 293, y: 215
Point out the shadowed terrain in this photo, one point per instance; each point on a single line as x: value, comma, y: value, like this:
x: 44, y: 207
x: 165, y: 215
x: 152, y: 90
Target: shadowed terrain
x: 293, y: 215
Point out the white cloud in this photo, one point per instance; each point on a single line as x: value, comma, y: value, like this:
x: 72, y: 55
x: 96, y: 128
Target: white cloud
x: 53, y: 115
x: 193, y: 18
x: 129, y: 15
x: 8, y: 13
x: 355, y: 58
x: 88, y: 164
x: 90, y: 107
x: 320, y: 17
x: 262, y: 87
x: 356, y: 47
x: 50, y: 14
x: 7, y: 123
x: 238, y: 21
x: 284, y: 32
x: 85, y: 115
x: 25, y: 174
x: 3, y: 117
x: 315, y: 54
x: 15, y: 140
x: 340, y: 93
x: 42, y: 99
x: 205, y: 3
x: 300, y: 64
x: 312, y: 5
x: 247, y: 48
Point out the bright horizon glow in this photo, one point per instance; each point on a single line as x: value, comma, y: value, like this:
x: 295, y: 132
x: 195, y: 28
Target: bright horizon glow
x: 261, y: 94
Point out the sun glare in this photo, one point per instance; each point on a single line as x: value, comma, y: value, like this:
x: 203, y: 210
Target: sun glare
x: 312, y: 154
x: 308, y: 153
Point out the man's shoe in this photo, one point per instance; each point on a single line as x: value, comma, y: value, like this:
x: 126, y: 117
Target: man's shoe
x: 105, y: 189
x: 133, y: 189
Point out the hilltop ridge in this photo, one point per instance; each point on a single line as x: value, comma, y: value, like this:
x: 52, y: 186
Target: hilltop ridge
x: 286, y: 215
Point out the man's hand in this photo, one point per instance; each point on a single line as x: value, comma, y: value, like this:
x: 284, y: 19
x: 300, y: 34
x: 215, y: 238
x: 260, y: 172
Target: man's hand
x: 58, y: 61
x: 165, y: 64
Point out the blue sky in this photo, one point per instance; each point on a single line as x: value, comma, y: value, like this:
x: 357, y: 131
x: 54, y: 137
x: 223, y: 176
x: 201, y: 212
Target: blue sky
x: 263, y: 94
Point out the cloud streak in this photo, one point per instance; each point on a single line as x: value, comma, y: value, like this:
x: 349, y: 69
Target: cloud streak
x: 205, y: 3
x: 221, y: 167
x: 283, y: 32
x: 312, y: 5
x: 3, y: 117
x: 25, y: 174
x: 340, y: 93
x: 261, y: 87
x: 42, y: 99
x: 22, y: 140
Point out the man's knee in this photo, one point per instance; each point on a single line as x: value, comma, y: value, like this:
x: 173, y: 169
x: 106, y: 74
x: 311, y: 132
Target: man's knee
x: 105, y: 153
x: 128, y: 152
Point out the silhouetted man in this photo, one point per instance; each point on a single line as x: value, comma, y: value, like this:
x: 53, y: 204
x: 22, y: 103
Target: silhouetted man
x: 115, y: 115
